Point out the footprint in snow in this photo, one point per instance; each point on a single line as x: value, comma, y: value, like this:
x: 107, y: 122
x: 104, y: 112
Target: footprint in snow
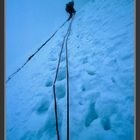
x: 105, y: 121
x: 60, y: 90
x: 61, y: 74
x: 91, y: 72
x: 49, y: 83
x: 42, y: 106
x: 91, y: 115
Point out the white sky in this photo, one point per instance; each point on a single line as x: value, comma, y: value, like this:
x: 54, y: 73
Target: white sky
x: 29, y: 23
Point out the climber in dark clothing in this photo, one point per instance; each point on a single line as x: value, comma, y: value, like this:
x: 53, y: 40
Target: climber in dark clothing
x: 70, y: 9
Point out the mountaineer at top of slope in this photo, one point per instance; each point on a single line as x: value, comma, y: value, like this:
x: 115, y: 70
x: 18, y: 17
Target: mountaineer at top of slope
x: 70, y: 9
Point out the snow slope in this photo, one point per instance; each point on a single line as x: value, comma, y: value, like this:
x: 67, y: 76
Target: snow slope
x: 101, y: 70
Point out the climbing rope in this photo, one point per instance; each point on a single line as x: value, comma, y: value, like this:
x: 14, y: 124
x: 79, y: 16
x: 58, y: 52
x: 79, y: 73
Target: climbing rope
x: 67, y: 78
x: 54, y: 88
x: 54, y: 83
x: 13, y: 74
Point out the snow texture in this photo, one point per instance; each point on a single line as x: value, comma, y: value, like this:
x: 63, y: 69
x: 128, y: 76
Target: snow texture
x: 101, y: 70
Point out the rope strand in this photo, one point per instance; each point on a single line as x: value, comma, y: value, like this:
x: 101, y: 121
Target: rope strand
x: 54, y: 85
x: 67, y: 78
x: 54, y: 91
x: 14, y: 73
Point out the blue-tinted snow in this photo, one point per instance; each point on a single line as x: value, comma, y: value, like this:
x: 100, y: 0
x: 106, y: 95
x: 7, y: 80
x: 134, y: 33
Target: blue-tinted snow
x: 101, y: 66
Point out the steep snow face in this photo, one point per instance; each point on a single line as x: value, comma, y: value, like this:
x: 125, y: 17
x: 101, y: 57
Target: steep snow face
x: 101, y: 70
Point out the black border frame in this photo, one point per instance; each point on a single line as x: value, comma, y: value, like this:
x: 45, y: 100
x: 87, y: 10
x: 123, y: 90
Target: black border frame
x: 137, y: 70
x: 2, y: 71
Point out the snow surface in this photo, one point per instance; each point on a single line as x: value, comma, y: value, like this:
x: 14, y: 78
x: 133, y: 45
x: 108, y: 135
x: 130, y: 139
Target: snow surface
x: 101, y: 70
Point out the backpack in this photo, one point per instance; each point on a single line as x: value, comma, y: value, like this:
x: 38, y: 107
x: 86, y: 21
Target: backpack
x: 69, y: 6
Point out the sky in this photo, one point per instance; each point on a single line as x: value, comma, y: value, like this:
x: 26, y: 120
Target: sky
x: 28, y: 24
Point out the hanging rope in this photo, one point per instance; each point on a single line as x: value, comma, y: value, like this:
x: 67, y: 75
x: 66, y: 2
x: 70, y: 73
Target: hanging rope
x: 13, y: 74
x: 67, y: 78
x: 54, y: 84
x: 54, y: 87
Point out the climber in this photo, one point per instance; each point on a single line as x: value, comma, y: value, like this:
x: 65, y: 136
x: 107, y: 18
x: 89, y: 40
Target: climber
x: 70, y: 9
